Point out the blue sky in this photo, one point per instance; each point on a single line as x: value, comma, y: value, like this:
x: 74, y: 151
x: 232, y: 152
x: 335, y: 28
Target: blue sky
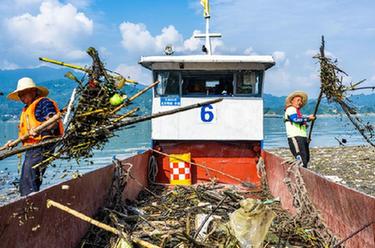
x: 123, y: 31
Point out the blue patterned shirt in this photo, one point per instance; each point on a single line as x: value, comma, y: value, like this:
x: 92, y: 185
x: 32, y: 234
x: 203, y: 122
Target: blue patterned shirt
x: 44, y: 109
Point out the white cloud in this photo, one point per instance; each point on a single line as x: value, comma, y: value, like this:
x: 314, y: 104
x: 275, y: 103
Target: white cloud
x: 192, y: 44
x: 282, y: 79
x: 135, y: 72
x: 169, y: 35
x: 280, y: 82
x: 218, y: 47
x: 278, y: 56
x: 137, y: 39
x: 54, y: 31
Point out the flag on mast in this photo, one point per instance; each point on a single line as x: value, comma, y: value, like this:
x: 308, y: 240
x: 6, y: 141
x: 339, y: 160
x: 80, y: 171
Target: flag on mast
x: 206, y: 7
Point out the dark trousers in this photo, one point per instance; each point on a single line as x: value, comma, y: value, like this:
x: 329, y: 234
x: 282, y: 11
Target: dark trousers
x: 300, y: 149
x: 31, y: 179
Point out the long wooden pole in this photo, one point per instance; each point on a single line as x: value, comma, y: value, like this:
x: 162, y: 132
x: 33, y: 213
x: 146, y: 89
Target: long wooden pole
x: 127, y: 101
x: 25, y: 148
x: 51, y: 203
x: 315, y: 112
x: 322, y: 54
x: 56, y: 62
x: 115, y: 125
x: 38, y: 129
x: 152, y: 116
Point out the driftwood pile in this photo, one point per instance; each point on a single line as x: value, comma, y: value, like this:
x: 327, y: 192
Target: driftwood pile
x: 197, y: 216
x: 93, y: 110
x: 336, y: 91
x: 99, y: 106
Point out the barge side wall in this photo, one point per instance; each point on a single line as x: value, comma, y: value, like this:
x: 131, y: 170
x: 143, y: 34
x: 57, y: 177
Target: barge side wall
x: 54, y: 228
x: 343, y: 210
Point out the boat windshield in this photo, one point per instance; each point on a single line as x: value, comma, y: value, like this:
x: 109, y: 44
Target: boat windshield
x: 209, y: 83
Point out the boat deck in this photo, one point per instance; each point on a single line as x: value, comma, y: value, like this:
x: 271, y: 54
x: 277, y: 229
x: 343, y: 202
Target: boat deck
x: 28, y: 223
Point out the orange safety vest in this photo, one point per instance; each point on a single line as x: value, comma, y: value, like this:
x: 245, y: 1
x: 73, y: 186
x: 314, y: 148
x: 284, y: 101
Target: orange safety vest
x: 29, y: 121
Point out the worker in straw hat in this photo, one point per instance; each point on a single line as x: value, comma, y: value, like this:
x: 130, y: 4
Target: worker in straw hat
x: 37, y: 110
x: 296, y: 125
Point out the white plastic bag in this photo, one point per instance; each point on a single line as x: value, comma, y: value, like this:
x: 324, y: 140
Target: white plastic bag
x: 251, y: 222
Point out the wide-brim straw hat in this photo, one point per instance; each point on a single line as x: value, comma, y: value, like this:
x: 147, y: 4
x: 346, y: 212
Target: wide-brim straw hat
x: 289, y: 98
x: 24, y: 84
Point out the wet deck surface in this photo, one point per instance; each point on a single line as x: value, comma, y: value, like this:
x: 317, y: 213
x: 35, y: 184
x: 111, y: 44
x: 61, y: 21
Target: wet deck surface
x: 350, y: 166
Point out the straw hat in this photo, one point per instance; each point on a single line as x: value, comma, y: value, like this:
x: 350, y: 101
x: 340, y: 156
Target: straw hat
x: 289, y: 98
x: 24, y: 84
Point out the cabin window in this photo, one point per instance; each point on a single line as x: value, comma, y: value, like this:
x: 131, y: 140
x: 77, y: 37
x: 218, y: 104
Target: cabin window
x: 248, y: 83
x: 207, y: 83
x: 169, y: 83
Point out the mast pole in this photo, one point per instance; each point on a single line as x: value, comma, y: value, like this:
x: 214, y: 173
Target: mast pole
x: 207, y: 35
x: 208, y: 40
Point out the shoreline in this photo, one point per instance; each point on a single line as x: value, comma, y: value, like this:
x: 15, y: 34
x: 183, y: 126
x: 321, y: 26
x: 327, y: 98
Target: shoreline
x: 320, y: 115
x: 351, y: 166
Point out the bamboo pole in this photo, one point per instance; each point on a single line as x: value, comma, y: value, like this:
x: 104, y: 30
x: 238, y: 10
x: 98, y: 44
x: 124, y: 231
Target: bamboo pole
x: 46, y: 161
x: 51, y: 203
x: 363, y: 88
x: 127, y: 101
x: 97, y: 111
x: 113, y: 126
x: 143, y: 91
x: 38, y: 129
x: 246, y: 184
x: 56, y: 62
x: 152, y: 116
x: 25, y: 148
x: 127, y: 114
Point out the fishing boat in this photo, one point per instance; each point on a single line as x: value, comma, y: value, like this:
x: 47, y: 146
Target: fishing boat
x: 224, y: 143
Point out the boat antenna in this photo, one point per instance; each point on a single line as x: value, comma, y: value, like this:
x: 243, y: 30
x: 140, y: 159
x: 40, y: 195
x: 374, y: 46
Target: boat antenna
x: 207, y: 36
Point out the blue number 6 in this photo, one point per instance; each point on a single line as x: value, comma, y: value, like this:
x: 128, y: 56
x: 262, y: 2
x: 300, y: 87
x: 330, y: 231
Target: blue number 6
x: 207, y: 115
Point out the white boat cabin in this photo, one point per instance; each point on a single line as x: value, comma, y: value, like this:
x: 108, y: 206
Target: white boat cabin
x: 185, y: 80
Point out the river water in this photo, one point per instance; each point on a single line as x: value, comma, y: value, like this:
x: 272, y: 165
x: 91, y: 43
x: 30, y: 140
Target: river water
x: 137, y: 139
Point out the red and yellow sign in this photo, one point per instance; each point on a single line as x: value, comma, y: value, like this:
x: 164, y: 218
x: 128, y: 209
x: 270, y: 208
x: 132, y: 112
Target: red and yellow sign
x: 180, y: 169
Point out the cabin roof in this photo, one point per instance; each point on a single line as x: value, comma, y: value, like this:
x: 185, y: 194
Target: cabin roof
x: 229, y: 60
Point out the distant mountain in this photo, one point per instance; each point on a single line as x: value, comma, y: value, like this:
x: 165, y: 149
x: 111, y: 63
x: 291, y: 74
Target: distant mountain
x: 364, y: 103
x: 9, y: 78
x: 61, y: 89
x: 274, y: 105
